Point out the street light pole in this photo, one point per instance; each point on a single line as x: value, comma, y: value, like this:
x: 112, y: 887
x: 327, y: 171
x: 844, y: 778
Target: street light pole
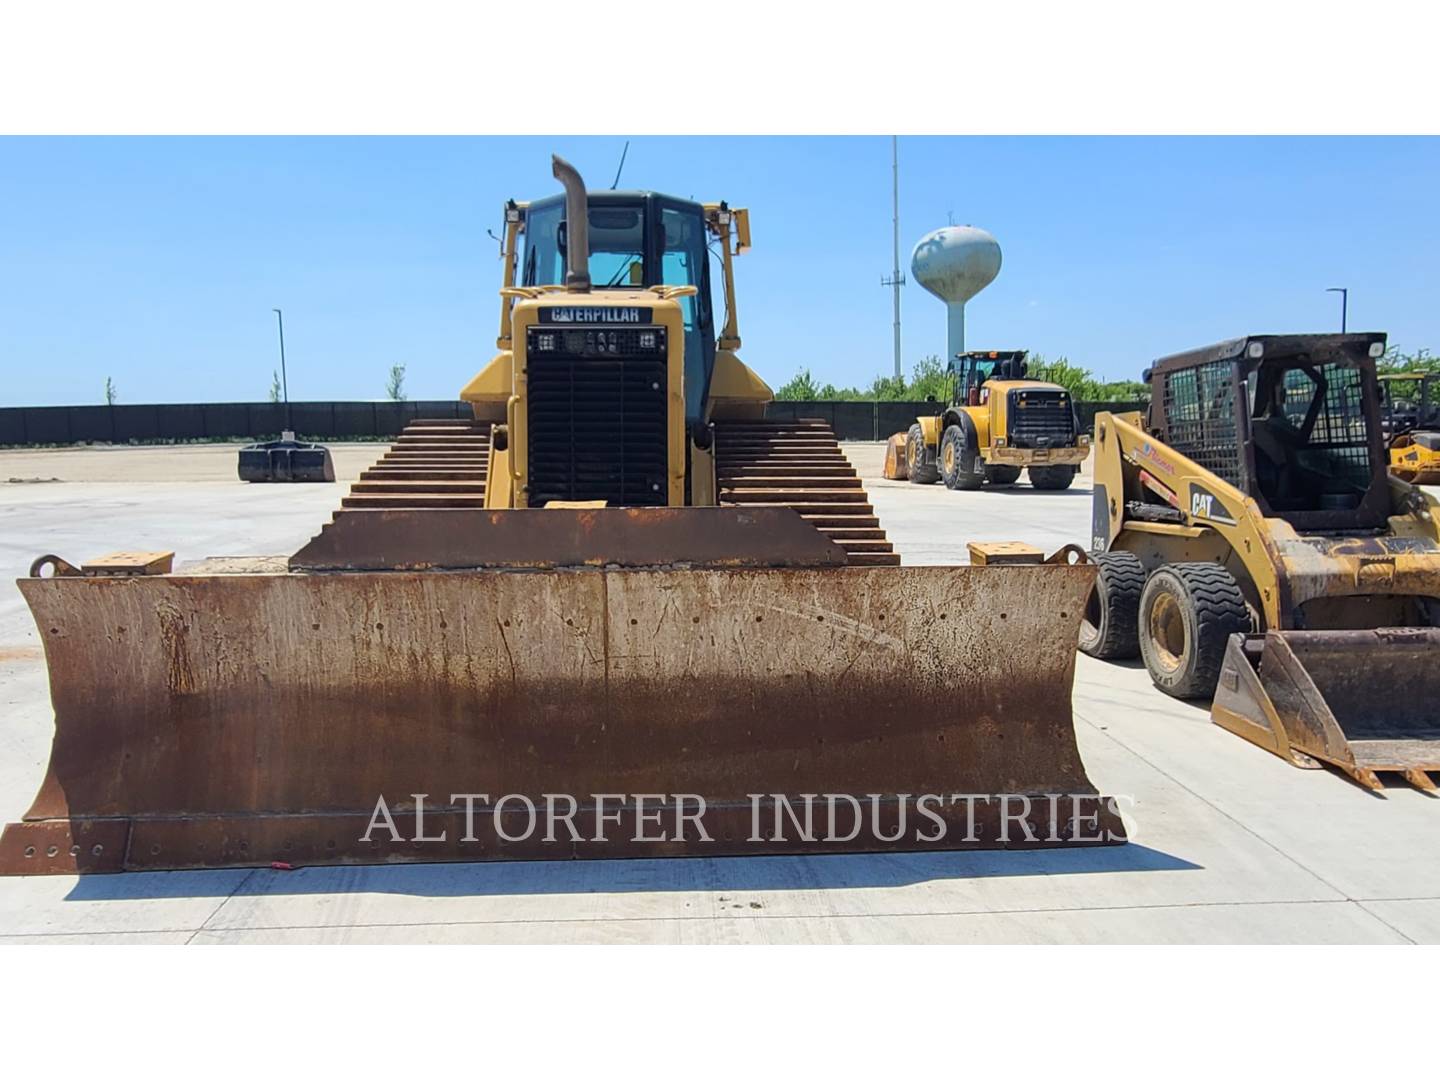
x: 1344, y: 306
x: 284, y: 378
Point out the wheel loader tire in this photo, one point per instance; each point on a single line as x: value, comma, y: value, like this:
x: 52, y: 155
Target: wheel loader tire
x: 1052, y: 477
x: 1187, y: 613
x: 1109, y: 628
x: 1000, y: 475
x: 920, y: 472
x: 957, y: 461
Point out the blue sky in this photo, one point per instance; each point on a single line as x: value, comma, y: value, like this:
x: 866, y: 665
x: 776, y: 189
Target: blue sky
x: 156, y: 261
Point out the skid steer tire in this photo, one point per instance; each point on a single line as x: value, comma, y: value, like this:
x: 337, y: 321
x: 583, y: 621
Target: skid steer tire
x: 1001, y: 475
x: 1052, y: 477
x: 1109, y: 628
x: 920, y: 473
x: 1187, y: 613
x: 957, y: 461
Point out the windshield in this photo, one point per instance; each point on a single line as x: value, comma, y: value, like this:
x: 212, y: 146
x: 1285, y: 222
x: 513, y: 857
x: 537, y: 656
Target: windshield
x: 617, y: 247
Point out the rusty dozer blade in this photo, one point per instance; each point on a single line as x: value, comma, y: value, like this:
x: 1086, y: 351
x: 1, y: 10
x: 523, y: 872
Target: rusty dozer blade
x: 1364, y: 701
x: 239, y: 719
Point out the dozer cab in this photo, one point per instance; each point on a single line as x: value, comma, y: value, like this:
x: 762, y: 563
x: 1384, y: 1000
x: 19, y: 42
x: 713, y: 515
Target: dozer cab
x: 1412, y: 425
x: 1254, y: 549
x: 618, y: 594
x: 998, y: 421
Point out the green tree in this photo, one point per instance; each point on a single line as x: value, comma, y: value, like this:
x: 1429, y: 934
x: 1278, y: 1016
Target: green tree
x: 801, y: 388
x: 111, y: 396
x: 929, y: 378
x: 395, y: 386
x: 1124, y: 390
x: 1078, y: 380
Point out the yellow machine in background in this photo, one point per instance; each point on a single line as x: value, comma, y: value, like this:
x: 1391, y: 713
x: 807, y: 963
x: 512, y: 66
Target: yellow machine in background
x: 997, y: 423
x: 1412, y: 426
x: 1253, y: 547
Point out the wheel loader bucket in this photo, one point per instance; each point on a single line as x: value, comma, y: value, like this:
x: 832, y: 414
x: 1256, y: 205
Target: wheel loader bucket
x: 895, y: 466
x: 244, y: 718
x: 1364, y: 701
x: 286, y: 461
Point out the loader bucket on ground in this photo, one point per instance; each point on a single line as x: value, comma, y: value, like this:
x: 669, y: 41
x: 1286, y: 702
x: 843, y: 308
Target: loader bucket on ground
x: 1364, y: 701
x: 285, y: 461
x: 896, y: 467
x: 239, y: 719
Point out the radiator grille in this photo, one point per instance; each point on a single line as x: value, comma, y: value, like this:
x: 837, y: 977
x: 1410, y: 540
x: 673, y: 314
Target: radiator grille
x: 597, y: 430
x: 1041, y: 418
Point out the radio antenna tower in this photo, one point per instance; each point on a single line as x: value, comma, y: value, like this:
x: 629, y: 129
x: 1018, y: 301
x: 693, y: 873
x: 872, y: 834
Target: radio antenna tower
x: 896, y: 278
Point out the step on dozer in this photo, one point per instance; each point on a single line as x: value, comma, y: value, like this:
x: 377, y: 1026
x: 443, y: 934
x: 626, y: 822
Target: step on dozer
x: 616, y: 615
x: 1253, y: 550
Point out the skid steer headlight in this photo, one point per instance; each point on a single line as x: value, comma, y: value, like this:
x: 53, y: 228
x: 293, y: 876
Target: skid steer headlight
x: 1255, y: 350
x: 1377, y: 349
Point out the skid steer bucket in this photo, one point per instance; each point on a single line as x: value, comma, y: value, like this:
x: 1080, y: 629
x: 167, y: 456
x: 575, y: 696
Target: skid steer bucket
x: 242, y: 718
x: 286, y: 461
x: 1364, y: 701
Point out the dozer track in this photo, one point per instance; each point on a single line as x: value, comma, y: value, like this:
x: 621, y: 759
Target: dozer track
x: 434, y: 463
x: 441, y: 464
x: 800, y: 465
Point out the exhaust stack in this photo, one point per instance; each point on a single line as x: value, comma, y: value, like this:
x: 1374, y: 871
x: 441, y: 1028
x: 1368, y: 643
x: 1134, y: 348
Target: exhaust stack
x: 577, y: 225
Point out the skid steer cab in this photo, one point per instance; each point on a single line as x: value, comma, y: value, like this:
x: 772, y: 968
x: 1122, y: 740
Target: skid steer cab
x: 1254, y: 549
x: 997, y: 422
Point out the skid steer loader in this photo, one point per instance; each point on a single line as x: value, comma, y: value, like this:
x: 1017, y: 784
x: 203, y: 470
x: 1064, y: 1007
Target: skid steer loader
x: 998, y: 422
x: 618, y: 595
x: 1253, y: 549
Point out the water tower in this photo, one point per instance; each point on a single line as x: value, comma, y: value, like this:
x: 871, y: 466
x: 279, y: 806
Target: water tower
x: 955, y: 263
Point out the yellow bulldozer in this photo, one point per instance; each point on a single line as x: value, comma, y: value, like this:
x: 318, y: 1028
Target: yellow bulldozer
x: 1412, y: 425
x: 1254, y: 549
x: 998, y: 421
x: 617, y: 593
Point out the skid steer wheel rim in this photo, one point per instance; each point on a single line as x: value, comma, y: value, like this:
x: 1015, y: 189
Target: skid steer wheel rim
x: 1167, y: 631
x: 949, y: 457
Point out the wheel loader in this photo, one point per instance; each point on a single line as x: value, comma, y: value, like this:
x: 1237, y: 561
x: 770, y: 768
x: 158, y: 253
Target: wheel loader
x: 1412, y: 426
x: 617, y: 593
x: 997, y: 423
x: 1254, y: 550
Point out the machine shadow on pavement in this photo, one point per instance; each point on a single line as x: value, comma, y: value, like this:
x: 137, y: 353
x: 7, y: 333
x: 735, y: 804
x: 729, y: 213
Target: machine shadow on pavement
x: 578, y: 877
